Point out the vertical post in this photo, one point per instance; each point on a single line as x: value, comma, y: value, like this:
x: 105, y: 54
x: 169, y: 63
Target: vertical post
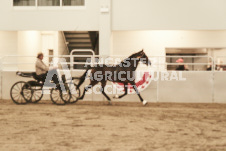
x: 61, y: 3
x: 1, y: 66
x: 105, y: 28
x: 71, y: 62
x: 157, y: 91
x: 105, y: 36
x: 213, y: 70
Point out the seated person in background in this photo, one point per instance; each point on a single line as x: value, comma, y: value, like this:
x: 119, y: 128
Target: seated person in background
x: 181, y: 66
x: 42, y: 70
x: 209, y: 66
x: 219, y: 66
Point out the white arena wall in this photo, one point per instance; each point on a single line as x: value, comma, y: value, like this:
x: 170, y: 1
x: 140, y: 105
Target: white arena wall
x: 49, y: 18
x: 199, y: 87
x: 111, y: 16
x: 126, y: 15
x: 154, y: 42
x: 29, y: 43
x: 168, y: 15
x: 8, y: 43
x: 150, y: 92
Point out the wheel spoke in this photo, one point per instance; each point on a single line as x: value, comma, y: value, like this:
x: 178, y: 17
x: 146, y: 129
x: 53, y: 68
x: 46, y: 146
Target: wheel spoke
x: 16, y: 93
x: 56, y: 97
x: 20, y: 98
x: 17, y: 96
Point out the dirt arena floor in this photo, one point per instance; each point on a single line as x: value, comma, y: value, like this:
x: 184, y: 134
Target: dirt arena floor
x: 123, y: 126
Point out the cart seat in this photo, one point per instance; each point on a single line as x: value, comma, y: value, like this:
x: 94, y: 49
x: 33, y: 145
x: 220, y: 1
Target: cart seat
x: 29, y: 75
x: 36, y: 77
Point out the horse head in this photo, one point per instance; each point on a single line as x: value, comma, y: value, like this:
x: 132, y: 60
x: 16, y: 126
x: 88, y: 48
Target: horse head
x: 143, y: 57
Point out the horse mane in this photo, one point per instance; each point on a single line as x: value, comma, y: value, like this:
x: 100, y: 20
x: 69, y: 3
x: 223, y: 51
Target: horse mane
x: 131, y: 56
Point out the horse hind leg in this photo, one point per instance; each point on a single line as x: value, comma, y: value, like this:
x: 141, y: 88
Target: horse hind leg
x: 126, y: 91
x: 103, y: 84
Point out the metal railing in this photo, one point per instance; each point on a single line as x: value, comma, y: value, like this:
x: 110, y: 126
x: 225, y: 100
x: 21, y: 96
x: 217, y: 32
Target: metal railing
x: 1, y: 66
x: 196, y: 63
x: 159, y: 63
x: 219, y: 64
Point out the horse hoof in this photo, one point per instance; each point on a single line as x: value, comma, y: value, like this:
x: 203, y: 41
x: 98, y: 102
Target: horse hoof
x: 116, y: 96
x: 144, y: 102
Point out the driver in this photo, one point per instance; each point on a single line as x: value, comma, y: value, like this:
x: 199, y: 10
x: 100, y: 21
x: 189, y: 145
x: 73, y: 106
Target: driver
x: 42, y: 70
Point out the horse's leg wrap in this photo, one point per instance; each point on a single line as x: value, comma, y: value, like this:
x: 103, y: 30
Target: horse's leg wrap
x: 102, y: 90
x: 141, y: 99
x: 126, y: 90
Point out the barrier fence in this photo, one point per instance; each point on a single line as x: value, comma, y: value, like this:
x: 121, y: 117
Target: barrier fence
x: 200, y: 85
x: 159, y: 63
x: 1, y: 66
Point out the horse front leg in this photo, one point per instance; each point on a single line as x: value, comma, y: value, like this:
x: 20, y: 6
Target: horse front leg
x: 138, y: 93
x: 84, y: 92
x: 92, y: 83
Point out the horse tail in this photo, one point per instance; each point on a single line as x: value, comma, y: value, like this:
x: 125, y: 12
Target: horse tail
x: 83, y: 77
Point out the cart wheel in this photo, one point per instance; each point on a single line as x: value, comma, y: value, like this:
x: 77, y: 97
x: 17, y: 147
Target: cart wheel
x: 27, y: 92
x: 75, y: 96
x: 56, y: 97
x: 36, y: 94
x: 66, y: 95
x: 19, y: 93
